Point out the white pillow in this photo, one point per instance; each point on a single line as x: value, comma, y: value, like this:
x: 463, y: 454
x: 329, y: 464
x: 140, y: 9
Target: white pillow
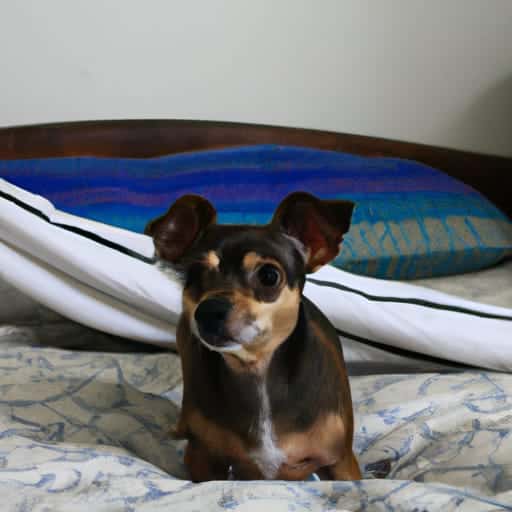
x: 106, y: 278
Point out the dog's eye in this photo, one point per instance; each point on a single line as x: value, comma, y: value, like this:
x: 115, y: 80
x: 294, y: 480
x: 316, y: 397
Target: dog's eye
x: 269, y: 275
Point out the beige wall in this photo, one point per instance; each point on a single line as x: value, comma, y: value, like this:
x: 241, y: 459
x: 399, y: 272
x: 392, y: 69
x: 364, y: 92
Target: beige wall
x: 437, y: 71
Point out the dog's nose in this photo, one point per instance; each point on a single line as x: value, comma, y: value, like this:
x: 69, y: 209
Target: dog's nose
x: 211, y: 317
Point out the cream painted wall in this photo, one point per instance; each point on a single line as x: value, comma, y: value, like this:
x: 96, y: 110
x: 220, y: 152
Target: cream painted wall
x: 437, y: 71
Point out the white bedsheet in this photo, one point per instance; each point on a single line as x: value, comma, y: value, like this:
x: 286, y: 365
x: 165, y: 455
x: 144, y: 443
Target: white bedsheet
x: 489, y: 286
x: 105, y: 278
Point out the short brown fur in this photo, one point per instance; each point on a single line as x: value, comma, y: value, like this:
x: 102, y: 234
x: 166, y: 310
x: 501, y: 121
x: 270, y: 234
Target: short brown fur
x: 266, y: 393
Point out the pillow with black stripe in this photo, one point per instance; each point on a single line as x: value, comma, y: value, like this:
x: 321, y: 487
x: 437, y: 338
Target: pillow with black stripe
x: 410, y: 221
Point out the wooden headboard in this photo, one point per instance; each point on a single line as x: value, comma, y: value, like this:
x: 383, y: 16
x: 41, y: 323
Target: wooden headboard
x: 491, y: 175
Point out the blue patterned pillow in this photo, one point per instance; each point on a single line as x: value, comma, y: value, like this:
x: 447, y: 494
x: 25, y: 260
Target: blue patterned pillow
x: 410, y: 221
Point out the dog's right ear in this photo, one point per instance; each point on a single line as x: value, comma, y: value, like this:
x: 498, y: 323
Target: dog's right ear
x: 183, y: 224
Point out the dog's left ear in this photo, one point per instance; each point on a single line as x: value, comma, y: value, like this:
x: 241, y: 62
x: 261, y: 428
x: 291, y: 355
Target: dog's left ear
x: 318, y: 224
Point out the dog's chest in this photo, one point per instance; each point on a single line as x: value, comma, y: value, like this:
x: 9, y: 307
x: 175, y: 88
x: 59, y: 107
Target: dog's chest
x: 294, y: 452
x: 268, y: 456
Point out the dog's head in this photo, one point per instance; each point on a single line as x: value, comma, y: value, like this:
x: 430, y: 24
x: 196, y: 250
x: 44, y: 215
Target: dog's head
x: 243, y: 284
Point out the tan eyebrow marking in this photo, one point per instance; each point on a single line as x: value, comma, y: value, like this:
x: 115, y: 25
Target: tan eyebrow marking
x: 251, y: 259
x: 212, y: 260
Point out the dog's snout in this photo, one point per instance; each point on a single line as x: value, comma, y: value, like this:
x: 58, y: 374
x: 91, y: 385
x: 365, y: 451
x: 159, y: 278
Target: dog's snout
x: 211, y: 317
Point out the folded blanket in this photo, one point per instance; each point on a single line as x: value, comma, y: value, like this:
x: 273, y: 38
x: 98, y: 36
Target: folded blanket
x: 109, y: 279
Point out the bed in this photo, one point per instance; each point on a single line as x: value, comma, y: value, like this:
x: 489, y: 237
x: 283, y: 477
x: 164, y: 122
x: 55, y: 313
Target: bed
x: 84, y: 413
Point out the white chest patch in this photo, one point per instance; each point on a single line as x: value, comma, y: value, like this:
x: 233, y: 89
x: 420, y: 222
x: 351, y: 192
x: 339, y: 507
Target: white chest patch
x: 268, y: 456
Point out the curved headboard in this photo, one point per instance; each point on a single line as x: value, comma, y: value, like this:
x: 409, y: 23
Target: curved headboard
x: 491, y: 175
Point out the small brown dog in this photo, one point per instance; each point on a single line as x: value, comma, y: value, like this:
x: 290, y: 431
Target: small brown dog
x: 266, y: 393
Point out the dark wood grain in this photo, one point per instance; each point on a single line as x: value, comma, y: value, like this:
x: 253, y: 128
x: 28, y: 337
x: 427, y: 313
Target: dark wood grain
x: 491, y: 175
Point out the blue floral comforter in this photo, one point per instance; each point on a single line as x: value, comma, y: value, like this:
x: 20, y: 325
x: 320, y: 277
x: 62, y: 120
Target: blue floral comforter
x: 86, y: 431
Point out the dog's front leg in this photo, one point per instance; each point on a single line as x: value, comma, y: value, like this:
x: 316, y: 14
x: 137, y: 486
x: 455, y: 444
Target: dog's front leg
x: 202, y: 466
x: 347, y: 468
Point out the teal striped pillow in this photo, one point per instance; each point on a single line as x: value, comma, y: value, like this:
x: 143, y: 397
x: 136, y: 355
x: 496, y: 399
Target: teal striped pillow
x: 410, y: 221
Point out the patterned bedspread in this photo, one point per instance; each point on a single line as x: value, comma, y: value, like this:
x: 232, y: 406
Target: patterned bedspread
x: 87, y: 431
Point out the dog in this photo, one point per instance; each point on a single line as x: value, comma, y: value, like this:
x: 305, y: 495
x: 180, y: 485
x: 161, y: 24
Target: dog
x: 266, y: 393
